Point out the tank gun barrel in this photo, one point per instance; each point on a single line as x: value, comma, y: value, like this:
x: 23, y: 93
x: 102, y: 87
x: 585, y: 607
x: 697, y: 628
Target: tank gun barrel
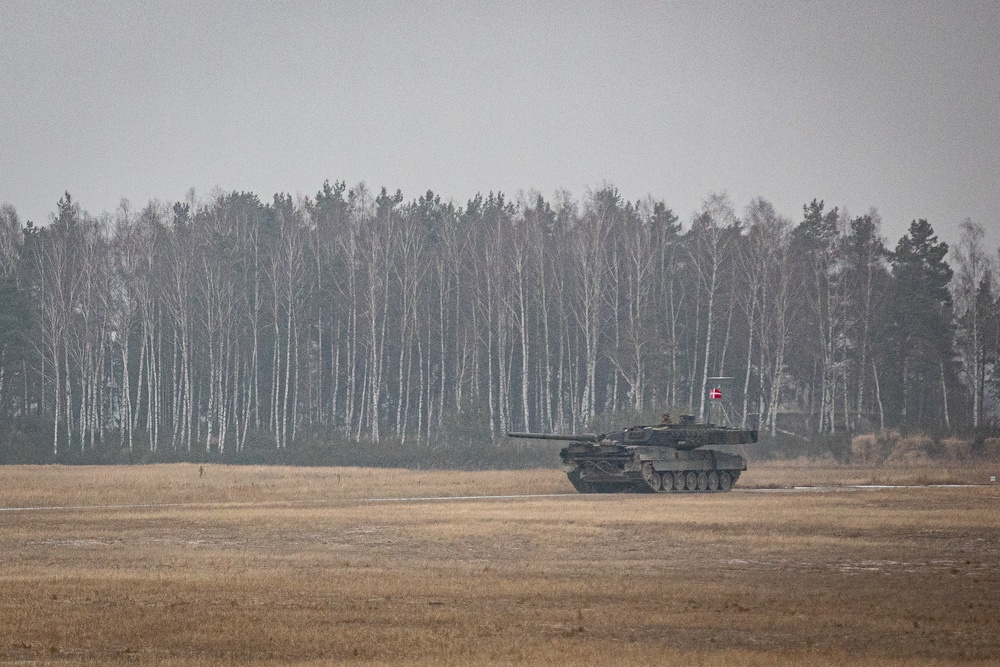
x: 578, y: 437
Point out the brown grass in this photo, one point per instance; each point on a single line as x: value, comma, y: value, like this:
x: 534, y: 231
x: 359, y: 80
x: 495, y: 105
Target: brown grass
x: 293, y: 566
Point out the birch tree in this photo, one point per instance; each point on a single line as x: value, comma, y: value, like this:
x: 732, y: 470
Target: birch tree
x: 972, y: 283
x: 866, y: 282
x: 58, y: 275
x: 711, y: 231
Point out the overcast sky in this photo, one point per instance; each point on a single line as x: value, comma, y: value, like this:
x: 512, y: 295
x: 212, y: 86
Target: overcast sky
x: 892, y: 105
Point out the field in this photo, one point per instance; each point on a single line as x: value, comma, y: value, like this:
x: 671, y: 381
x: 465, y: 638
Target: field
x: 189, y: 565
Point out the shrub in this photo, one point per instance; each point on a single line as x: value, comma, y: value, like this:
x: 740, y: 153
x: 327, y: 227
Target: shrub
x: 26, y: 440
x: 911, y: 449
x: 957, y: 449
x: 991, y: 448
x: 866, y: 449
x: 887, y: 440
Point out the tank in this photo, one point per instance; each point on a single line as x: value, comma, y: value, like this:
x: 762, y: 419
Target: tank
x: 665, y: 458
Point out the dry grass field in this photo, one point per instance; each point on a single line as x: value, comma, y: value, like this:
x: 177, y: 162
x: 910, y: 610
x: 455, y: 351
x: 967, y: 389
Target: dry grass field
x: 241, y: 565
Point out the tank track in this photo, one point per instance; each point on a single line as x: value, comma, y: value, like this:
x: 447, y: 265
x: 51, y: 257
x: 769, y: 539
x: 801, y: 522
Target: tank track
x: 689, y: 481
x: 599, y: 487
x: 714, y: 481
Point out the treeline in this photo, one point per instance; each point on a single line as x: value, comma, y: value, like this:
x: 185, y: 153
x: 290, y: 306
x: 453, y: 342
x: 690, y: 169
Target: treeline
x: 350, y: 325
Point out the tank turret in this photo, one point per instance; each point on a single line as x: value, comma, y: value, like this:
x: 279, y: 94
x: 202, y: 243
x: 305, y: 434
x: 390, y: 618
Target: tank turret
x: 662, y: 458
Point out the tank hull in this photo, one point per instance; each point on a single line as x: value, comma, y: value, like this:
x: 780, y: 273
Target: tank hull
x: 614, y: 468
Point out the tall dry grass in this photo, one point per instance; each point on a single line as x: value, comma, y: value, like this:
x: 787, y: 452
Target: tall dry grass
x: 187, y: 484
x: 192, y: 483
x: 806, y: 472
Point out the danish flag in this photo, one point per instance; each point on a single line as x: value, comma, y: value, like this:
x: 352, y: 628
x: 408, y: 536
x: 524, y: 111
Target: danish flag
x: 715, y: 393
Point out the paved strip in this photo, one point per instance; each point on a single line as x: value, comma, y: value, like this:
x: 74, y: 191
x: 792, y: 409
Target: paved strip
x: 862, y: 487
x: 429, y: 499
x: 282, y: 503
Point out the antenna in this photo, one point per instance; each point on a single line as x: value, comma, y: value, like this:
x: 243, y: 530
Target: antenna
x: 720, y: 398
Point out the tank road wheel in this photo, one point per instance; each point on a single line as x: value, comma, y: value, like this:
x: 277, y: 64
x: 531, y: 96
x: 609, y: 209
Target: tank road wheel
x: 702, y: 481
x: 652, y: 477
x: 668, y: 481
x: 691, y: 480
x: 713, y: 481
x: 725, y: 481
x: 678, y: 481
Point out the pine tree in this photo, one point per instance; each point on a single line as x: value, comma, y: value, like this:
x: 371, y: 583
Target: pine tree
x: 921, y: 327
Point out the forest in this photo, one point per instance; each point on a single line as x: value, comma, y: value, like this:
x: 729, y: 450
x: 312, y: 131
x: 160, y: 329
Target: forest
x: 355, y: 327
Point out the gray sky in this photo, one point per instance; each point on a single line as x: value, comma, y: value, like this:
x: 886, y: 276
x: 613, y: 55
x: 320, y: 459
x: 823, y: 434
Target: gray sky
x: 894, y: 105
